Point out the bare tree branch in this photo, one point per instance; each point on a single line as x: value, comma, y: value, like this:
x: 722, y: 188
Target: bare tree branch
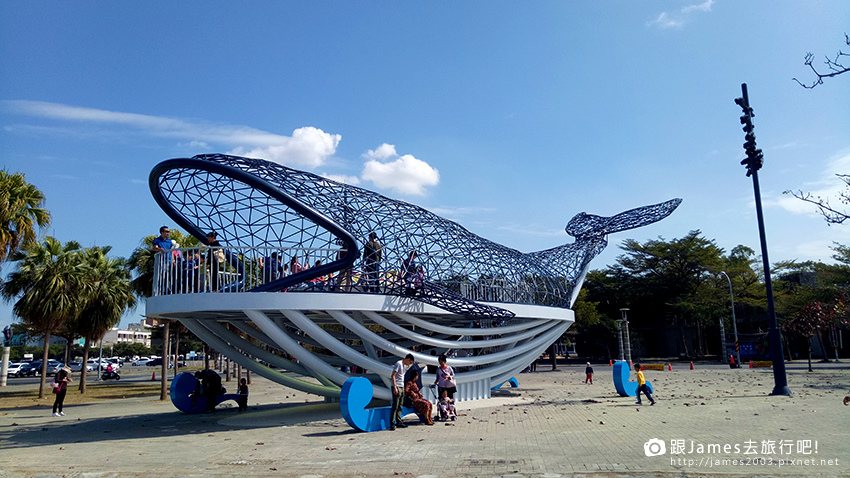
x: 834, y: 66
x: 831, y: 214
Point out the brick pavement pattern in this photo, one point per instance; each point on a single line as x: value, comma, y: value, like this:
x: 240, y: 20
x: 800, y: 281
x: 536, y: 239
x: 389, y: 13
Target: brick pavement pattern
x: 552, y: 426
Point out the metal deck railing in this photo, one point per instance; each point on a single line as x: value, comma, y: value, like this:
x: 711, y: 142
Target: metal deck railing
x: 194, y: 270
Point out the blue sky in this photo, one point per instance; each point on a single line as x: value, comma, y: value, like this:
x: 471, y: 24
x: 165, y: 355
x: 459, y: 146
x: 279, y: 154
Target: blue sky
x: 508, y: 117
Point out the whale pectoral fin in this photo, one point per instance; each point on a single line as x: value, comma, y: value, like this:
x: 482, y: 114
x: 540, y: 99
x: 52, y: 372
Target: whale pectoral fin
x: 584, y: 224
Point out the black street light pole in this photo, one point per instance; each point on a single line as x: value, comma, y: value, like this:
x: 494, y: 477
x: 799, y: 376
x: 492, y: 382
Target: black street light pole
x: 753, y: 162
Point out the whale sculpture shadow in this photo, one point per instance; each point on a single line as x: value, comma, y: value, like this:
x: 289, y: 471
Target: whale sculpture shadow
x: 624, y: 387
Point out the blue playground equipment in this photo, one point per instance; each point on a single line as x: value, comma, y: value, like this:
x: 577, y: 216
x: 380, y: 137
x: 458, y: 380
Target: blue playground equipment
x: 183, y: 387
x: 622, y: 372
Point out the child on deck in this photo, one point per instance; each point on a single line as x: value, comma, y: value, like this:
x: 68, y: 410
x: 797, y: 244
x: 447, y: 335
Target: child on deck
x: 447, y: 406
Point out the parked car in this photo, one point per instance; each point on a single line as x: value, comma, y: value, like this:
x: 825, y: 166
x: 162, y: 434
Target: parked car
x: 154, y: 363
x: 78, y: 366
x: 140, y: 361
x: 100, y: 364
x: 53, y: 366
x: 27, y: 369
x: 15, y: 369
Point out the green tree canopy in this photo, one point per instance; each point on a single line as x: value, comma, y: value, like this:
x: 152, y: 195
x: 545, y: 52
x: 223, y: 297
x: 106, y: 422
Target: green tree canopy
x: 108, y: 295
x: 20, y: 213
x: 47, y: 283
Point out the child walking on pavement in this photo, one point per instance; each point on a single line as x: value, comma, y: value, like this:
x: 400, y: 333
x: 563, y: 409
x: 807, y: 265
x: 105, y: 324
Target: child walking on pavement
x: 243, y: 395
x: 589, y: 371
x: 642, y: 386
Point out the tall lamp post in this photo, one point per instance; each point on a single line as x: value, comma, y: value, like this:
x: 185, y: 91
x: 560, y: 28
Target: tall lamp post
x: 734, y: 322
x: 620, y: 339
x: 753, y: 162
x: 626, y: 342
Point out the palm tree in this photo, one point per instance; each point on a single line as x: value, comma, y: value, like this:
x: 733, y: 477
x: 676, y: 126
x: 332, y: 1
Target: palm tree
x: 107, y: 295
x: 20, y: 212
x: 47, y: 282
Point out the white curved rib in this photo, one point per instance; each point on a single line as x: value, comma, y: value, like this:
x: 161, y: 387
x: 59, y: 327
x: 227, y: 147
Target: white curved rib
x: 454, y: 344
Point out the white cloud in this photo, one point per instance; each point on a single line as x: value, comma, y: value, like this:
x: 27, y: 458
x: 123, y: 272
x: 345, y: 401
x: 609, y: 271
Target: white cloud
x: 700, y: 7
x: 383, y: 151
x: 196, y: 145
x: 405, y: 174
x: 341, y: 178
x: 308, y: 146
x: 677, y: 20
x: 460, y: 212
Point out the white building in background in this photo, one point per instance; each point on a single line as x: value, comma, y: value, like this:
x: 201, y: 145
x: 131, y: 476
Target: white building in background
x: 133, y: 334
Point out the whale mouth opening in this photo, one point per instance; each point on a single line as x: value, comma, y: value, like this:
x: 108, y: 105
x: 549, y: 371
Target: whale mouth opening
x: 250, y: 213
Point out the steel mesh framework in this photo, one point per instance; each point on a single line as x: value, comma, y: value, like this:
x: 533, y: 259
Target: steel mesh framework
x: 257, y: 203
x: 491, y: 308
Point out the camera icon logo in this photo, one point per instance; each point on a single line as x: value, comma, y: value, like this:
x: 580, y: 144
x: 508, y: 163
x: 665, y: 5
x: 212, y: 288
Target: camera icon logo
x: 654, y: 447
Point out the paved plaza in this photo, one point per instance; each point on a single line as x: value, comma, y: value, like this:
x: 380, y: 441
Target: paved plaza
x: 712, y: 421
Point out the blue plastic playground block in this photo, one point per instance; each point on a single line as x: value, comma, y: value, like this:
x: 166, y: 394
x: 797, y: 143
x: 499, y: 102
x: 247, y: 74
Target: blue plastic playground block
x: 622, y: 372
x: 356, y: 394
x: 182, y: 388
x: 513, y: 381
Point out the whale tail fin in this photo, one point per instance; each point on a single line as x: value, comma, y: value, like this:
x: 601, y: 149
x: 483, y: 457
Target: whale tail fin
x: 583, y: 224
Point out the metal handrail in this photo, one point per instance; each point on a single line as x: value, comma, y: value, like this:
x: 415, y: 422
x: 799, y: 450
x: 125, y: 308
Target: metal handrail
x: 191, y: 270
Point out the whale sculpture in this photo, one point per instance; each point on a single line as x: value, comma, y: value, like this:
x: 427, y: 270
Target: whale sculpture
x: 490, y: 308
x: 448, y: 253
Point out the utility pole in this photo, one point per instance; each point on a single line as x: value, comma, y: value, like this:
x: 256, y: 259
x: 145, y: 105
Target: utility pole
x: 4, y: 366
x: 754, y: 162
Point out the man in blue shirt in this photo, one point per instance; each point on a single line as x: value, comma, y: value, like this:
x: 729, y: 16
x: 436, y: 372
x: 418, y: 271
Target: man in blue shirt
x: 162, y: 243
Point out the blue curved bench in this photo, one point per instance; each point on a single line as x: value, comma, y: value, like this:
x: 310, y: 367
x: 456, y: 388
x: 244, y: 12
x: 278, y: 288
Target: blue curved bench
x: 356, y: 394
x: 622, y: 372
x: 183, y: 386
x: 513, y: 381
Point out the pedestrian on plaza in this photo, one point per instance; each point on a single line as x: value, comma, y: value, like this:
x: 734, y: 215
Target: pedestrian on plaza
x: 445, y: 378
x: 589, y: 372
x: 243, y: 395
x: 60, y: 388
x: 642, y: 386
x: 424, y: 408
x: 397, y: 379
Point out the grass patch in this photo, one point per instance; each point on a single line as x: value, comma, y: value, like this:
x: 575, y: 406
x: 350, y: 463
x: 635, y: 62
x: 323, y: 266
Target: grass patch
x: 95, y: 392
